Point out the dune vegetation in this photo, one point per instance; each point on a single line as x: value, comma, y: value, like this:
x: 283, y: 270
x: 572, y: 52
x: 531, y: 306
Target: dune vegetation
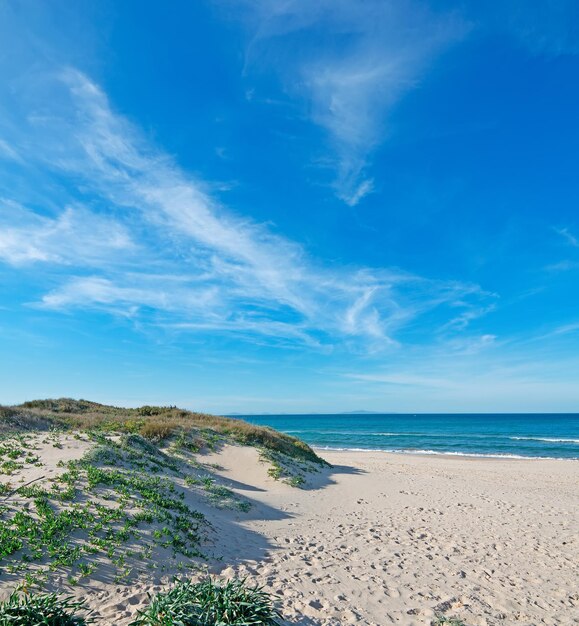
x: 89, y: 490
x: 208, y: 603
x: 152, y: 422
x: 205, y: 603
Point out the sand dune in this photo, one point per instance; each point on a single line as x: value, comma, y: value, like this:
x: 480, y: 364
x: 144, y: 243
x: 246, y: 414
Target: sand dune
x: 378, y: 539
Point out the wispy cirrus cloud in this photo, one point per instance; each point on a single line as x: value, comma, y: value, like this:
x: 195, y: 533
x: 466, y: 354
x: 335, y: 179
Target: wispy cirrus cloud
x: 8, y: 152
x: 374, y: 52
x: 492, y: 376
x: 135, y: 291
x: 565, y: 265
x: 165, y: 251
x: 76, y: 237
x: 562, y: 266
x: 569, y: 237
x: 559, y: 330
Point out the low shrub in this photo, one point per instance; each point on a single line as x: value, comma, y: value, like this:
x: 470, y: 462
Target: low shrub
x: 44, y: 609
x: 150, y: 410
x: 157, y: 430
x: 62, y: 405
x: 207, y: 603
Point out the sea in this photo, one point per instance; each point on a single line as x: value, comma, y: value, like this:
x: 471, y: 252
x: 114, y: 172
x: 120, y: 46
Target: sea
x: 554, y: 436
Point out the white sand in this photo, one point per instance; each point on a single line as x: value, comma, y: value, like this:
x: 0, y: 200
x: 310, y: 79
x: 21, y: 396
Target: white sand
x: 387, y: 539
x: 393, y: 539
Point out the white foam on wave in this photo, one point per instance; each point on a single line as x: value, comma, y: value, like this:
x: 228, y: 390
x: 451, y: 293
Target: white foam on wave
x: 547, y: 439
x: 442, y: 453
x: 443, y: 435
x: 369, y: 433
x: 319, y: 431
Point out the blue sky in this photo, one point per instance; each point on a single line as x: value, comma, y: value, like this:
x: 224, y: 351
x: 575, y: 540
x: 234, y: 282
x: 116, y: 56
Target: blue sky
x: 291, y: 206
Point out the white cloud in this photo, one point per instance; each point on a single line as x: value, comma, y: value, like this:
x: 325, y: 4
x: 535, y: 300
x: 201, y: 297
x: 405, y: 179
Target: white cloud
x: 562, y: 266
x: 564, y: 329
x: 135, y: 291
x: 568, y: 236
x: 374, y: 52
x: 74, y: 237
x: 494, y: 377
x: 405, y: 380
x: 8, y: 152
x: 169, y: 254
x: 352, y: 198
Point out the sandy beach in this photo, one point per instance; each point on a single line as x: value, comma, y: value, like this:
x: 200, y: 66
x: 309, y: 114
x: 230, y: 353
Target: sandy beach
x: 397, y: 539
x: 376, y: 539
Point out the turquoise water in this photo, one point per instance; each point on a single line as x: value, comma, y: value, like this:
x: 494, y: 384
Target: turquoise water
x: 522, y: 435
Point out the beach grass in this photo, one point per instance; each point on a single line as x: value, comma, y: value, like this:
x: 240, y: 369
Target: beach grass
x: 47, y: 609
x: 207, y: 603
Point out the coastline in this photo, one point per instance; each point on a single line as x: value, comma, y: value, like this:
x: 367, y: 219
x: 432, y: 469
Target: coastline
x: 493, y: 436
x: 434, y: 453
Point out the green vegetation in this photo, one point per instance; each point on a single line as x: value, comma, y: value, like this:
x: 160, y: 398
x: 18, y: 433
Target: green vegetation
x: 128, y: 504
x: 288, y: 469
x: 219, y: 495
x: 110, y: 505
x: 15, y: 453
x: 48, y: 609
x: 208, y: 604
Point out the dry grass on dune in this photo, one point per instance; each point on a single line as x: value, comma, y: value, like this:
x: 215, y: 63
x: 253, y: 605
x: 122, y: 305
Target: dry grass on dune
x: 153, y: 422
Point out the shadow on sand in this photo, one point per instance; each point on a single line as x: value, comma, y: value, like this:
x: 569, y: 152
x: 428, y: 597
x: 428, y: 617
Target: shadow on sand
x: 324, y: 478
x: 228, y: 541
x: 235, y: 543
